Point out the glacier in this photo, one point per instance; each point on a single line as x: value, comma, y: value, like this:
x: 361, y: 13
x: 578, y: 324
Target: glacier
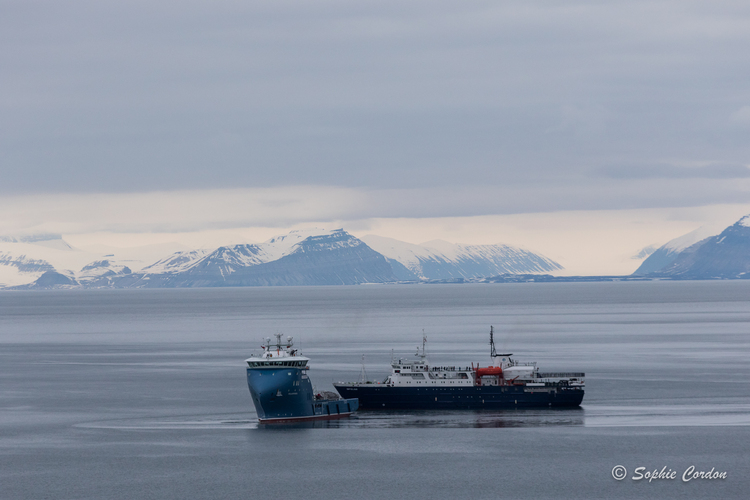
x: 440, y: 260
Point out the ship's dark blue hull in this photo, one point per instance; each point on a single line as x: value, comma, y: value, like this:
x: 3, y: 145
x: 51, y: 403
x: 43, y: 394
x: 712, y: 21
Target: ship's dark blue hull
x: 286, y: 394
x: 377, y: 396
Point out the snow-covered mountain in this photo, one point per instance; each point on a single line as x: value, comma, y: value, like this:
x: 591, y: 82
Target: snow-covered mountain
x: 306, y: 257
x: 16, y: 269
x: 101, y: 273
x: 726, y: 255
x: 667, y: 253
x: 24, y: 259
x: 442, y: 260
x: 176, y: 263
x: 311, y: 257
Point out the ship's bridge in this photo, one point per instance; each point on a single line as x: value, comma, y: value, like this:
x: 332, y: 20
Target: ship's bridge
x: 278, y: 355
x: 299, y: 362
x: 416, y: 366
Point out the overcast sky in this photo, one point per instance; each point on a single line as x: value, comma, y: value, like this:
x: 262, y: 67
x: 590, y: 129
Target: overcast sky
x: 384, y: 109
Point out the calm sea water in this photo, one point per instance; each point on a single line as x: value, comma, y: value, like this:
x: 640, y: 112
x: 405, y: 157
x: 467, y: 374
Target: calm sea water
x: 142, y: 394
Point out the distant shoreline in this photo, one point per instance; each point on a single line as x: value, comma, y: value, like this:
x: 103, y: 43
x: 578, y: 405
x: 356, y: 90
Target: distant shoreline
x: 503, y: 279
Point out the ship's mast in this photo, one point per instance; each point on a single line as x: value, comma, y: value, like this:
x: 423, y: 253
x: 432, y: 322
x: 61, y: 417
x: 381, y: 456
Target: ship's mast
x: 424, y: 342
x: 363, y: 373
x: 493, y: 353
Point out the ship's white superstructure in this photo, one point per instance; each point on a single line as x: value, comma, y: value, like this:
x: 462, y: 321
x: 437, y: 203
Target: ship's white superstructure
x: 506, y: 383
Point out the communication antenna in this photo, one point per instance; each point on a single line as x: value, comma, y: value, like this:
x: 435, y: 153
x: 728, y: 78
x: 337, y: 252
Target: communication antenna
x: 278, y: 339
x: 363, y: 372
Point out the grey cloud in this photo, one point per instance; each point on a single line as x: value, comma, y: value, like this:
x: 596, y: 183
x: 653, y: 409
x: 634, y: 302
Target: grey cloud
x: 665, y: 171
x: 141, y: 96
x: 741, y: 116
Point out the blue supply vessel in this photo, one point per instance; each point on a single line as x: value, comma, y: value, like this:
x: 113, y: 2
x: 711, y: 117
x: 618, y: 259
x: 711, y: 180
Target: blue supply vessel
x: 281, y: 389
x: 418, y: 385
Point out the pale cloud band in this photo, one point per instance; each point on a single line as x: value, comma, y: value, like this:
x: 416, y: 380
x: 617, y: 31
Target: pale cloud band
x: 172, y: 211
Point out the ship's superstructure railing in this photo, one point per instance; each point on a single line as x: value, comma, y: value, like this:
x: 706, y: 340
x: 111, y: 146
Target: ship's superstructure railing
x: 518, y: 363
x: 261, y: 363
x: 560, y: 375
x: 418, y: 366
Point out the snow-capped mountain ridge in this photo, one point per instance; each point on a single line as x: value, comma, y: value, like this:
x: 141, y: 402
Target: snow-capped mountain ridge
x: 303, y: 257
x: 100, y: 269
x: 279, y: 246
x: 313, y: 257
x: 723, y: 256
x: 440, y: 259
x: 670, y: 251
x: 24, y: 259
x: 227, y: 260
x: 176, y: 263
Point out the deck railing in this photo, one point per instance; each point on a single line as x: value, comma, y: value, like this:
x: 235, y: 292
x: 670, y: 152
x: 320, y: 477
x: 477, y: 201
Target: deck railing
x: 561, y: 375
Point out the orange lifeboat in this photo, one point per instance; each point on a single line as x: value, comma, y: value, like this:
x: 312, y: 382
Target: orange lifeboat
x: 491, y: 370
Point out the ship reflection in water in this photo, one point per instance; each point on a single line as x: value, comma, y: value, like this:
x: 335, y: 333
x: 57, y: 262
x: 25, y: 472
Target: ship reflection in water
x: 446, y: 419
